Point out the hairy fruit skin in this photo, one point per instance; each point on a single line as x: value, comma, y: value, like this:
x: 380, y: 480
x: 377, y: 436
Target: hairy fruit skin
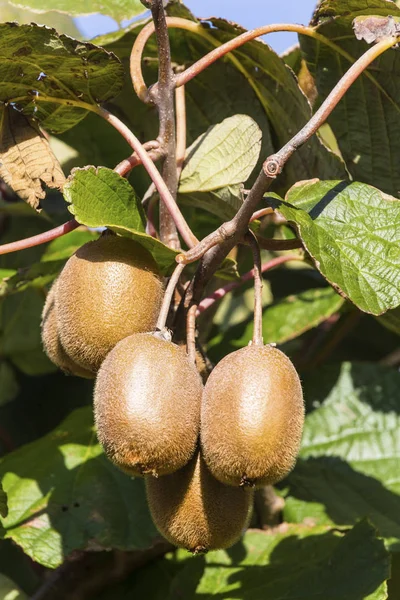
x: 108, y: 289
x: 51, y: 339
x: 252, y: 417
x: 193, y: 510
x: 147, y: 405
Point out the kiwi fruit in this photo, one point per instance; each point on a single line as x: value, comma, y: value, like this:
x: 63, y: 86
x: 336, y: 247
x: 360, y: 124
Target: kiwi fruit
x: 252, y: 417
x: 51, y: 339
x: 193, y: 510
x: 108, y: 290
x: 147, y: 405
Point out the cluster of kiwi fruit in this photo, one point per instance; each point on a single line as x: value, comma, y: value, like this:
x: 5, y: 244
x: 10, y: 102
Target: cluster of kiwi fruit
x: 201, y: 448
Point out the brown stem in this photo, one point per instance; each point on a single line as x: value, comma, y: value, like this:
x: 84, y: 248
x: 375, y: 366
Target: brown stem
x: 169, y: 292
x: 191, y: 333
x: 163, y: 97
x: 275, y: 163
x: 126, y: 165
x: 340, y: 330
x: 165, y: 195
x: 268, y: 506
x: 261, y: 213
x: 206, y: 303
x: 180, y: 109
x: 258, y: 286
x: 42, y: 238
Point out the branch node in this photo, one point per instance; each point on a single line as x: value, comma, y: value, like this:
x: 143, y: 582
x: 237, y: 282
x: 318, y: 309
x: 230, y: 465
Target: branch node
x: 272, y: 167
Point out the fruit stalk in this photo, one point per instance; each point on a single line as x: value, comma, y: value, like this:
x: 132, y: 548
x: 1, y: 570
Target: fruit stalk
x: 258, y: 286
x: 162, y: 317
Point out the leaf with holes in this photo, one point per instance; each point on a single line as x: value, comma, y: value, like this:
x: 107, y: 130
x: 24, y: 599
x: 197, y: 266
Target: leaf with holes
x: 52, y: 76
x: 352, y: 232
x: 65, y: 495
x: 27, y: 163
x: 348, y: 466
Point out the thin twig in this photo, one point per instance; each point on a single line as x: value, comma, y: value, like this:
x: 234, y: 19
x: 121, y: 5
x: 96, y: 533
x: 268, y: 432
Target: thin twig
x: 191, y: 333
x: 261, y: 213
x: 169, y: 292
x: 180, y: 110
x: 258, y: 286
x: 42, y: 238
x: 229, y: 287
x: 164, y: 99
x: 165, y: 195
x: 126, y: 165
x: 275, y: 163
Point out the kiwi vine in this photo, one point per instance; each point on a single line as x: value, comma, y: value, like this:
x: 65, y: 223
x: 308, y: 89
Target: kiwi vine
x: 194, y: 420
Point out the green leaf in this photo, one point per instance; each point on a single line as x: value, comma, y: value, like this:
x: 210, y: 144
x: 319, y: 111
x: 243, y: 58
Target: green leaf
x: 366, y: 121
x: 224, y: 203
x: 65, y: 495
x: 9, y: 387
x: 292, y: 562
x: 66, y: 245
x: 38, y: 275
x: 120, y: 10
x: 282, y: 321
x: 99, y: 197
x: 45, y: 74
x: 10, y: 590
x: 225, y: 154
x: 391, y: 320
x: 20, y: 339
x: 348, y: 466
x: 3, y: 503
x: 97, y: 194
x: 350, y: 231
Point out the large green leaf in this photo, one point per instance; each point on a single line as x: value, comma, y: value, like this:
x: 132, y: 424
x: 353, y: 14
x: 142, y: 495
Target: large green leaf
x: 294, y: 562
x: 351, y: 230
x: 282, y: 321
x: 102, y: 198
x: 225, y: 154
x: 119, y: 10
x: 366, y: 121
x: 46, y: 74
x: 348, y: 466
x: 64, y: 495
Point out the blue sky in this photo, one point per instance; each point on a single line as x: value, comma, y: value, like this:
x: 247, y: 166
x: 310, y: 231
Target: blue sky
x: 249, y: 13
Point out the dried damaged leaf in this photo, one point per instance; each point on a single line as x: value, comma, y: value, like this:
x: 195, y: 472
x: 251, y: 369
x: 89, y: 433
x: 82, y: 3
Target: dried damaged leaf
x: 27, y: 162
x: 374, y: 28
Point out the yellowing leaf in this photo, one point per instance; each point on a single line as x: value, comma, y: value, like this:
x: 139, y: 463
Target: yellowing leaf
x: 27, y: 162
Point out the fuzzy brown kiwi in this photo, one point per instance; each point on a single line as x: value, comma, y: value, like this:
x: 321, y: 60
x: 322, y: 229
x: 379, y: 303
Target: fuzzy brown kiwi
x: 108, y: 289
x: 193, y: 510
x: 51, y: 339
x: 147, y: 405
x: 252, y: 417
